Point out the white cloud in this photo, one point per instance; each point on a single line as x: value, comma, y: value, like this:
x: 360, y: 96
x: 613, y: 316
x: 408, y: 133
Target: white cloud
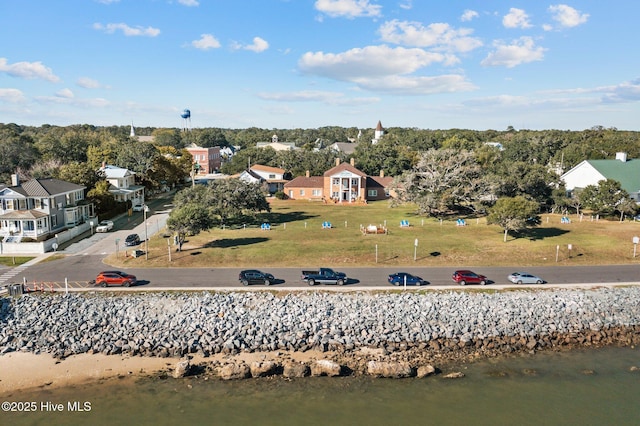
x: 406, y: 5
x: 468, y: 15
x: 259, y: 45
x: 65, y: 93
x: 628, y: 91
x: 384, y: 69
x: 326, y: 97
x: 348, y: 8
x: 438, y: 35
x: 108, y: 1
x: 516, y: 18
x: 189, y: 2
x: 88, y: 83
x: 28, y: 70
x: 416, y: 85
x: 13, y: 96
x: 127, y: 30
x: 206, y: 42
x: 567, y: 16
x: 518, y: 52
x: 368, y: 61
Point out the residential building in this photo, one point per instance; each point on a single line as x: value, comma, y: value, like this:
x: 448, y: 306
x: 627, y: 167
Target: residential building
x: 274, y: 177
x: 208, y: 160
x: 123, y: 184
x: 41, y: 207
x: 590, y: 172
x: 343, y: 183
x: 276, y: 145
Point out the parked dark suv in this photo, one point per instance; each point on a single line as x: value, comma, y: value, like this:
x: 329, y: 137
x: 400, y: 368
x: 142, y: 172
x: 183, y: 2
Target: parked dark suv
x: 253, y: 276
x: 132, y: 240
x: 464, y: 277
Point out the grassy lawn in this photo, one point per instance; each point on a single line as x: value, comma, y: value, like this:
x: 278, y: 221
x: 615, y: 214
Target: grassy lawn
x: 14, y: 261
x: 297, y: 238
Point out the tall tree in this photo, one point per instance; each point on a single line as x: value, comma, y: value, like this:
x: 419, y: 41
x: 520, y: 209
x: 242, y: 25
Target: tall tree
x: 188, y: 219
x: 514, y: 214
x: 444, y: 180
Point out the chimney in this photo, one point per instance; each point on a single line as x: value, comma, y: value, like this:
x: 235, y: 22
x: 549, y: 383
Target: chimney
x: 622, y: 156
x: 381, y: 173
x: 15, y: 180
x: 337, y: 162
x: 307, y: 173
x: 353, y: 161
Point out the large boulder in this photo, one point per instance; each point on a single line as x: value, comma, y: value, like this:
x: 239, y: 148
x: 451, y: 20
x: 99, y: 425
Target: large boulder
x: 292, y: 370
x: 263, y: 368
x: 325, y: 367
x: 425, y: 370
x: 392, y: 370
x: 234, y: 371
x: 182, y: 369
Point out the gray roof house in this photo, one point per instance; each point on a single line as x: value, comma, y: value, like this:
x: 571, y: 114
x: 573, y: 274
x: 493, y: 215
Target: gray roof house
x: 39, y: 208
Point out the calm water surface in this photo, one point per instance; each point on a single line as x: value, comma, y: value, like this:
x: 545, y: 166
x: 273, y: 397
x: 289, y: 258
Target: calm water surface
x: 594, y: 387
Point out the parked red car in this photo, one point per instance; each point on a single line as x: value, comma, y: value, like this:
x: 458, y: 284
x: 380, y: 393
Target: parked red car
x: 464, y: 277
x: 107, y: 278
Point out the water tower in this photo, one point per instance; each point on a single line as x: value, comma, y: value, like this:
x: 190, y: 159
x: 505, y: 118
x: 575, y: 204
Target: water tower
x: 186, y: 120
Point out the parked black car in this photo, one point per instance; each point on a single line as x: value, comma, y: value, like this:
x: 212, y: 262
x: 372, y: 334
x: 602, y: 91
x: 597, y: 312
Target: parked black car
x: 132, y: 240
x: 253, y: 276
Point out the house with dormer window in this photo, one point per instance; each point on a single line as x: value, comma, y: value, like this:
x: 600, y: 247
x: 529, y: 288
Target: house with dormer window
x: 39, y: 208
x: 123, y: 184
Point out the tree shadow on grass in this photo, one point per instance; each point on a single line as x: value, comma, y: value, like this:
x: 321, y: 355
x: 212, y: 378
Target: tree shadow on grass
x: 541, y: 233
x: 234, y: 242
x: 244, y: 221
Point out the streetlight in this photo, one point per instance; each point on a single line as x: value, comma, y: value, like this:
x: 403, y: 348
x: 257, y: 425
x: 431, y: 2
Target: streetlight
x: 145, y: 209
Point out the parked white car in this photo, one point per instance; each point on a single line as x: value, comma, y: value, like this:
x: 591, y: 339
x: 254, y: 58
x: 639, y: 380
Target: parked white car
x: 138, y: 207
x: 104, y: 226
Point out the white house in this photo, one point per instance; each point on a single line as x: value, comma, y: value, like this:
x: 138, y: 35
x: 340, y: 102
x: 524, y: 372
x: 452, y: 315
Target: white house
x: 123, y: 184
x: 273, y: 176
x: 41, y: 207
x: 590, y: 172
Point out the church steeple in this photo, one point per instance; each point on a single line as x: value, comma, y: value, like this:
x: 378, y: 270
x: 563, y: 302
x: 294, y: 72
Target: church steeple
x: 132, y: 134
x: 378, y: 133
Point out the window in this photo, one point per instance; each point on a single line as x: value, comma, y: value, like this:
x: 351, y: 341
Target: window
x: 317, y: 192
x: 301, y: 192
x: 272, y: 176
x: 336, y: 181
x: 354, y: 181
x: 372, y: 193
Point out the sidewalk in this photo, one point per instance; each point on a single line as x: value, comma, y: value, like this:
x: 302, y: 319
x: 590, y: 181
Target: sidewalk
x: 97, y: 243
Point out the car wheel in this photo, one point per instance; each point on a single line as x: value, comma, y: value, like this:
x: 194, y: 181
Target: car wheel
x: 311, y: 282
x: 102, y: 284
x: 463, y: 282
x: 340, y: 282
x: 418, y: 283
x: 483, y: 282
x: 519, y: 282
x: 245, y: 282
x: 127, y: 283
x: 267, y: 282
x: 539, y: 282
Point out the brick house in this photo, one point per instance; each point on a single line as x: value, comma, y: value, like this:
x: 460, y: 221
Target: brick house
x: 343, y: 183
x: 208, y: 160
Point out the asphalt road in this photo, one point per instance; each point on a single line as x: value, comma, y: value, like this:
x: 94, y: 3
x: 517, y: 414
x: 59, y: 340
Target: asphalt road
x: 80, y: 268
x: 84, y: 261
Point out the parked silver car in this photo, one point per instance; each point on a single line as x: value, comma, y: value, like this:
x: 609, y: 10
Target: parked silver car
x: 524, y: 278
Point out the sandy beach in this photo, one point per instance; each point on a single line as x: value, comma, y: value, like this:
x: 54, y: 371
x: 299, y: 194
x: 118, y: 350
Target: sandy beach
x: 23, y: 370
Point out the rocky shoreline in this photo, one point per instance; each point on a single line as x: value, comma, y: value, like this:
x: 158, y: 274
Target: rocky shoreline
x: 380, y: 334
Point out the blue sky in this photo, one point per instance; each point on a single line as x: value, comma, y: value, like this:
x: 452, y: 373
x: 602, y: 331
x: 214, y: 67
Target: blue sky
x: 310, y: 63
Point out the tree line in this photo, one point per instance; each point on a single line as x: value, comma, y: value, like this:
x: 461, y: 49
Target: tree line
x: 442, y: 171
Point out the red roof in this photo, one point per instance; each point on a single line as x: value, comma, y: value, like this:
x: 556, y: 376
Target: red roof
x: 306, y: 182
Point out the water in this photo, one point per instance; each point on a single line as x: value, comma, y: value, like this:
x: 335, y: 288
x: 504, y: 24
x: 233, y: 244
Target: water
x: 594, y: 387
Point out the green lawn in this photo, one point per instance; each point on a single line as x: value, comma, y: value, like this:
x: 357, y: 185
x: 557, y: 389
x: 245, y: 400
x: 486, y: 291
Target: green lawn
x: 14, y: 261
x: 296, y: 238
